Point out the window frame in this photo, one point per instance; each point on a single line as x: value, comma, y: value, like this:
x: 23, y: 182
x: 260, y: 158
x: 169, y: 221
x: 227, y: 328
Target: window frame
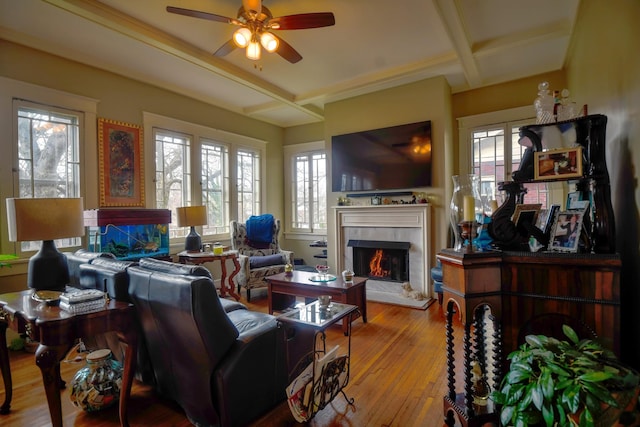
x: 201, y: 135
x: 510, y: 119
x: 290, y: 152
x: 49, y: 99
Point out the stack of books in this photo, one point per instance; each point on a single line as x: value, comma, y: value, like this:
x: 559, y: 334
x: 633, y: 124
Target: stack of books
x: 82, y: 300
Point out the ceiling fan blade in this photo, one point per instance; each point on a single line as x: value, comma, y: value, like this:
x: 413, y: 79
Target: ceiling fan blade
x: 202, y: 15
x: 302, y: 21
x: 225, y: 49
x: 252, y: 6
x: 287, y: 51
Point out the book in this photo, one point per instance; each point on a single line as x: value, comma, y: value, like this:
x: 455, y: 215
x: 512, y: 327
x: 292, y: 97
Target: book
x: 75, y: 296
x: 83, y: 307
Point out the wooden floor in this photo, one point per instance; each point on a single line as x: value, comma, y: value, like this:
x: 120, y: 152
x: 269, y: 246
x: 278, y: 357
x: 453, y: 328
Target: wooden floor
x: 398, y: 378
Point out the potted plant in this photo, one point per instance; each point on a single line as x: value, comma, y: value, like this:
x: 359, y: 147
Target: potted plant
x: 564, y: 383
x: 6, y: 257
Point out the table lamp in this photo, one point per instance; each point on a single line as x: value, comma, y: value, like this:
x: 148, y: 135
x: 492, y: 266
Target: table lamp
x: 45, y: 219
x: 190, y: 216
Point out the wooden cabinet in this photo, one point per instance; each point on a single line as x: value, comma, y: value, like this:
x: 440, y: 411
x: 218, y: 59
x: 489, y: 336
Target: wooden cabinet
x: 500, y: 297
x: 541, y: 291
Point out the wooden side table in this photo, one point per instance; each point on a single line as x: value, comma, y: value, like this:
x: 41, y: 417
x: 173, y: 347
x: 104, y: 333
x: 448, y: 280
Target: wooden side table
x: 56, y: 330
x: 226, y: 285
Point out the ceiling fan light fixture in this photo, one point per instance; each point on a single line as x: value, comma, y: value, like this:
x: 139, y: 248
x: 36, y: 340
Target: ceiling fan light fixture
x: 269, y: 42
x: 253, y: 50
x: 242, y: 37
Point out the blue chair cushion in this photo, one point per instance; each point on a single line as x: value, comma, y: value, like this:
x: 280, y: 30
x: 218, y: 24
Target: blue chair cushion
x: 265, y: 260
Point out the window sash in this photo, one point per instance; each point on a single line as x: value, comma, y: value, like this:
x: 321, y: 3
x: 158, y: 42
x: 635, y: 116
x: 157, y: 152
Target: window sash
x: 214, y: 180
x: 308, y: 192
x: 48, y: 157
x: 173, y: 175
x: 490, y: 150
x: 248, y: 183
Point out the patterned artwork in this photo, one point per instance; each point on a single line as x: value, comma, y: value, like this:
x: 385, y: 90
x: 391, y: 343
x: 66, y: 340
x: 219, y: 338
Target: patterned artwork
x: 121, y: 164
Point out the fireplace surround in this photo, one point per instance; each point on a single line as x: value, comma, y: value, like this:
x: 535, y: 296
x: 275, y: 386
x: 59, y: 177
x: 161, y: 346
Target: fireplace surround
x: 407, y: 223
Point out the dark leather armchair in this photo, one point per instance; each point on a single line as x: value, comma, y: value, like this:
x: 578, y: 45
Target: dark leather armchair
x: 223, y: 368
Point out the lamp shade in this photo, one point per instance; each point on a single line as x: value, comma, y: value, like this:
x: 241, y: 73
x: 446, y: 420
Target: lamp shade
x: 192, y: 215
x: 44, y: 219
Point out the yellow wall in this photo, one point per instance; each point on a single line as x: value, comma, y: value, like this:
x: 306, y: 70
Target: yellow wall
x: 125, y: 100
x: 425, y: 100
x: 603, y: 70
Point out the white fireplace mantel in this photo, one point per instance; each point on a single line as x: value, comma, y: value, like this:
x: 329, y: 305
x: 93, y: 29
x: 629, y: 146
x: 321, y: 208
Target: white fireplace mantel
x: 407, y: 222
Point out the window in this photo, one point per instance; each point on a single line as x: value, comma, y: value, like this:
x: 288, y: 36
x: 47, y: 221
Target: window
x: 307, y: 192
x: 195, y: 165
x: 173, y: 174
x: 495, y: 152
x: 248, y: 184
x: 215, y: 186
x: 48, y: 156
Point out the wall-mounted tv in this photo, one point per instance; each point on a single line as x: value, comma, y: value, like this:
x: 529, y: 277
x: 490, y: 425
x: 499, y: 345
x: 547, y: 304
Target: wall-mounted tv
x: 391, y: 158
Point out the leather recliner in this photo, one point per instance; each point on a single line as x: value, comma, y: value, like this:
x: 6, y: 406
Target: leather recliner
x: 223, y: 368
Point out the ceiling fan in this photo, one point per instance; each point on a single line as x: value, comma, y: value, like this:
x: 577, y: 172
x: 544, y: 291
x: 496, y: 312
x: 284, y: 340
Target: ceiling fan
x: 256, y: 23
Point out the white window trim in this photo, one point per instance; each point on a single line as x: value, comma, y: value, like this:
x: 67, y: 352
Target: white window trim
x: 289, y: 151
x: 11, y: 89
x: 197, y: 133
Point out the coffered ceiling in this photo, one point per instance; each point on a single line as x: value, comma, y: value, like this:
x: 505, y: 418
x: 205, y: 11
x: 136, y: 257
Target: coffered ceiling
x: 374, y: 45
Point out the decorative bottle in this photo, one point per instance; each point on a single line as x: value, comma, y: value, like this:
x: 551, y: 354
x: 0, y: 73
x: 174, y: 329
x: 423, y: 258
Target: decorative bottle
x: 97, y: 385
x: 466, y: 205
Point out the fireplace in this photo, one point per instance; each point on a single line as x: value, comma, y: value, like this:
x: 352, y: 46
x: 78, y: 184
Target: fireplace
x: 381, y: 260
x: 405, y: 224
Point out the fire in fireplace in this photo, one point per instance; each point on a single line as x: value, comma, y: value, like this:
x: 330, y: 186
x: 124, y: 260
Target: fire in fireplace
x: 381, y: 260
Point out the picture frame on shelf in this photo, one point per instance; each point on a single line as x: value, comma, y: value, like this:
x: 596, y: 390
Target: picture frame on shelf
x: 566, y: 230
x: 120, y: 164
x: 526, y: 214
x: 573, y: 198
x: 558, y: 164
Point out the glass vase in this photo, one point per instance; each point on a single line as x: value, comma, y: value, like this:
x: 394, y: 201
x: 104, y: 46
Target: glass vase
x: 97, y: 385
x: 465, y: 210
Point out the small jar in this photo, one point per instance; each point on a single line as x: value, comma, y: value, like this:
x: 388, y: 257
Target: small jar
x: 217, y: 248
x: 288, y: 270
x: 347, y: 276
x: 98, y: 384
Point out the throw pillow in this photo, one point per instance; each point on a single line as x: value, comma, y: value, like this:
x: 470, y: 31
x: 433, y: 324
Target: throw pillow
x: 266, y: 260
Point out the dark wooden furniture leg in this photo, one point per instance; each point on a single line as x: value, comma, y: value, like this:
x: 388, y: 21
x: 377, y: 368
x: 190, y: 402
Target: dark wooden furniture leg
x: 131, y: 339
x: 48, y: 360
x: 6, y: 371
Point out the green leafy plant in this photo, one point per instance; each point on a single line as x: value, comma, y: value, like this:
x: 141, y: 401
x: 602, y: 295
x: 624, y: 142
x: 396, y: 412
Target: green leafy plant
x: 562, y: 383
x: 4, y: 258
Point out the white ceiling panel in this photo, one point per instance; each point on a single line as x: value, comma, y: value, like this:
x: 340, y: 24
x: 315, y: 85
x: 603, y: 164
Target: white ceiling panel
x: 374, y: 45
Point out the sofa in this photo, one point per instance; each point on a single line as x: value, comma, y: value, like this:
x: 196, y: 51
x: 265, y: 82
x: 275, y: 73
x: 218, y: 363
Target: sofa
x: 223, y: 368
x: 223, y: 364
x: 257, y: 260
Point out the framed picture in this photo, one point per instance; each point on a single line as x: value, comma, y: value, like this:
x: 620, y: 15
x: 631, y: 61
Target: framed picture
x: 558, y: 164
x: 565, y: 233
x: 120, y: 162
x: 573, y: 198
x: 526, y: 214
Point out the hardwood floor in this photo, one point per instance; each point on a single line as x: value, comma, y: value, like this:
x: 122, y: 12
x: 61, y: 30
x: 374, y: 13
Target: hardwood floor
x: 398, y: 378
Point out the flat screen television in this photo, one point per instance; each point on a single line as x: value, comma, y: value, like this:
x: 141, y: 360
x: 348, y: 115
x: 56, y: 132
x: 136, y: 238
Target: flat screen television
x: 391, y: 158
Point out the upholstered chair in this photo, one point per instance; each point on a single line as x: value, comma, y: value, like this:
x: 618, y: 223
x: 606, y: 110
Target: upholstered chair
x: 257, y: 261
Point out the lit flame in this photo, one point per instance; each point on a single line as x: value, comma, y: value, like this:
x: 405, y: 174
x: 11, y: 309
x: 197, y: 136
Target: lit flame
x: 374, y: 265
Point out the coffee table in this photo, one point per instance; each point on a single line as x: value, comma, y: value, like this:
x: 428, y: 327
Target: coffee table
x: 301, y: 283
